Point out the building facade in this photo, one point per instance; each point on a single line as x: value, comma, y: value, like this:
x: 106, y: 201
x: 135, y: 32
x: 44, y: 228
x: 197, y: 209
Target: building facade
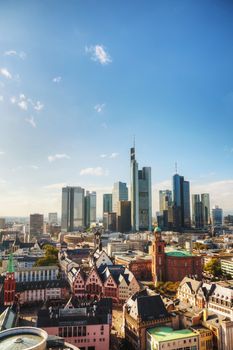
x: 107, y: 203
x: 141, y: 202
x: 90, y: 208
x: 119, y: 193
x: 36, y: 225
x: 72, y: 217
x: 173, y: 265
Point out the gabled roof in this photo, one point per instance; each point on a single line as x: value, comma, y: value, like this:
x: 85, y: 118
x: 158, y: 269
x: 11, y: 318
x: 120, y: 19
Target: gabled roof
x: 147, y: 307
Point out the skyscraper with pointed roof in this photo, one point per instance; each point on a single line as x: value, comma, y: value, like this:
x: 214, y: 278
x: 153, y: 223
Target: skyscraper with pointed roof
x: 141, y: 202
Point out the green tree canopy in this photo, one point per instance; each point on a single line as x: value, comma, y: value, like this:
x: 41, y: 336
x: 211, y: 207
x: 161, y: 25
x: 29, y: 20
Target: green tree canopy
x: 213, y: 267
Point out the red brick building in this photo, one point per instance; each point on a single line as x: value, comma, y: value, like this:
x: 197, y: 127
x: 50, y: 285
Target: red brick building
x: 175, y: 265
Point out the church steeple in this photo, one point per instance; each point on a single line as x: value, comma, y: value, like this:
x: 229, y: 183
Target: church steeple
x: 158, y: 257
x: 10, y: 282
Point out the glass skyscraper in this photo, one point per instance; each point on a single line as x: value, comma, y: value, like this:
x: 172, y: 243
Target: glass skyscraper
x: 72, y: 217
x: 107, y: 203
x: 90, y: 208
x: 181, y: 202
x: 119, y: 193
x: 141, y: 201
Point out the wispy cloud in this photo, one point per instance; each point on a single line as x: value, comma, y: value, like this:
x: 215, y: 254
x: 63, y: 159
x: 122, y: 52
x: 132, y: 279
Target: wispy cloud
x: 99, y: 107
x: 97, y: 171
x: 20, y: 54
x: 57, y: 80
x: 23, y: 105
x: 23, y: 102
x: 54, y: 157
x: 2, y: 153
x: 103, y: 156
x: 99, y: 54
x: 114, y: 155
x: 56, y: 186
x: 38, y: 106
x: 1, y: 98
x: 31, y: 121
x: 5, y: 73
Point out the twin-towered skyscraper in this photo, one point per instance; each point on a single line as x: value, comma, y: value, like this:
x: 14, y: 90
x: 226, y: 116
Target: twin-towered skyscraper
x: 78, y: 209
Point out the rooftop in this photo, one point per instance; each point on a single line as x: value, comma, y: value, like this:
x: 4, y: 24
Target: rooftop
x: 162, y: 334
x: 179, y: 253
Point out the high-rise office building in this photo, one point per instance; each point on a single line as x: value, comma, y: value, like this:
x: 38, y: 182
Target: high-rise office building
x: 124, y: 216
x: 181, y: 202
x: 205, y: 199
x: 141, y: 202
x: 36, y: 225
x: 90, y: 208
x: 134, y: 191
x: 72, y: 217
x: 197, y: 211
x: 217, y: 216
x: 109, y: 221
x: 201, y: 210
x: 52, y: 217
x: 165, y: 200
x: 107, y: 203
x: 119, y: 193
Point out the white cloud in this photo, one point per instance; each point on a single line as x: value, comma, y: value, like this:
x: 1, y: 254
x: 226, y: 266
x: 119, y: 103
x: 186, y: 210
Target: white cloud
x: 57, y: 79
x: 103, y: 156
x: 38, y: 106
x: 99, y: 107
x: 23, y: 105
x: 20, y: 54
x: 2, y: 153
x: 114, y: 155
x: 1, y: 98
x: 99, y: 54
x: 98, y: 171
x: 34, y: 167
x: 5, y: 73
x: 54, y: 157
x: 56, y: 186
x: 31, y: 121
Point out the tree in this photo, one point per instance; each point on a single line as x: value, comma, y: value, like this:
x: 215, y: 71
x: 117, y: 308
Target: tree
x: 50, y: 258
x: 213, y: 267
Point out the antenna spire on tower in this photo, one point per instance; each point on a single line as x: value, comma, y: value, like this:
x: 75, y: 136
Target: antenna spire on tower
x: 176, y: 167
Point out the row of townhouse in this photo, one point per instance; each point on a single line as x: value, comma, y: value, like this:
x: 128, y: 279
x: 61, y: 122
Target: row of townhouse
x: 216, y: 296
x: 103, y: 278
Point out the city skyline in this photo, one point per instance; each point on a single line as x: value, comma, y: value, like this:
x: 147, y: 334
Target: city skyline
x: 72, y: 98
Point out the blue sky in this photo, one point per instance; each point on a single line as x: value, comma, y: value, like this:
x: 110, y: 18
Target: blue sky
x: 79, y: 78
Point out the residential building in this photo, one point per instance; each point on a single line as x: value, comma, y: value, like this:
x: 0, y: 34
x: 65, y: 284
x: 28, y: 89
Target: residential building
x: 142, y: 311
x: 124, y: 216
x: 217, y: 216
x: 181, y: 202
x: 119, y: 193
x: 72, y: 217
x: 90, y: 208
x: 227, y: 267
x: 36, y: 225
x: 107, y: 203
x: 141, y: 202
